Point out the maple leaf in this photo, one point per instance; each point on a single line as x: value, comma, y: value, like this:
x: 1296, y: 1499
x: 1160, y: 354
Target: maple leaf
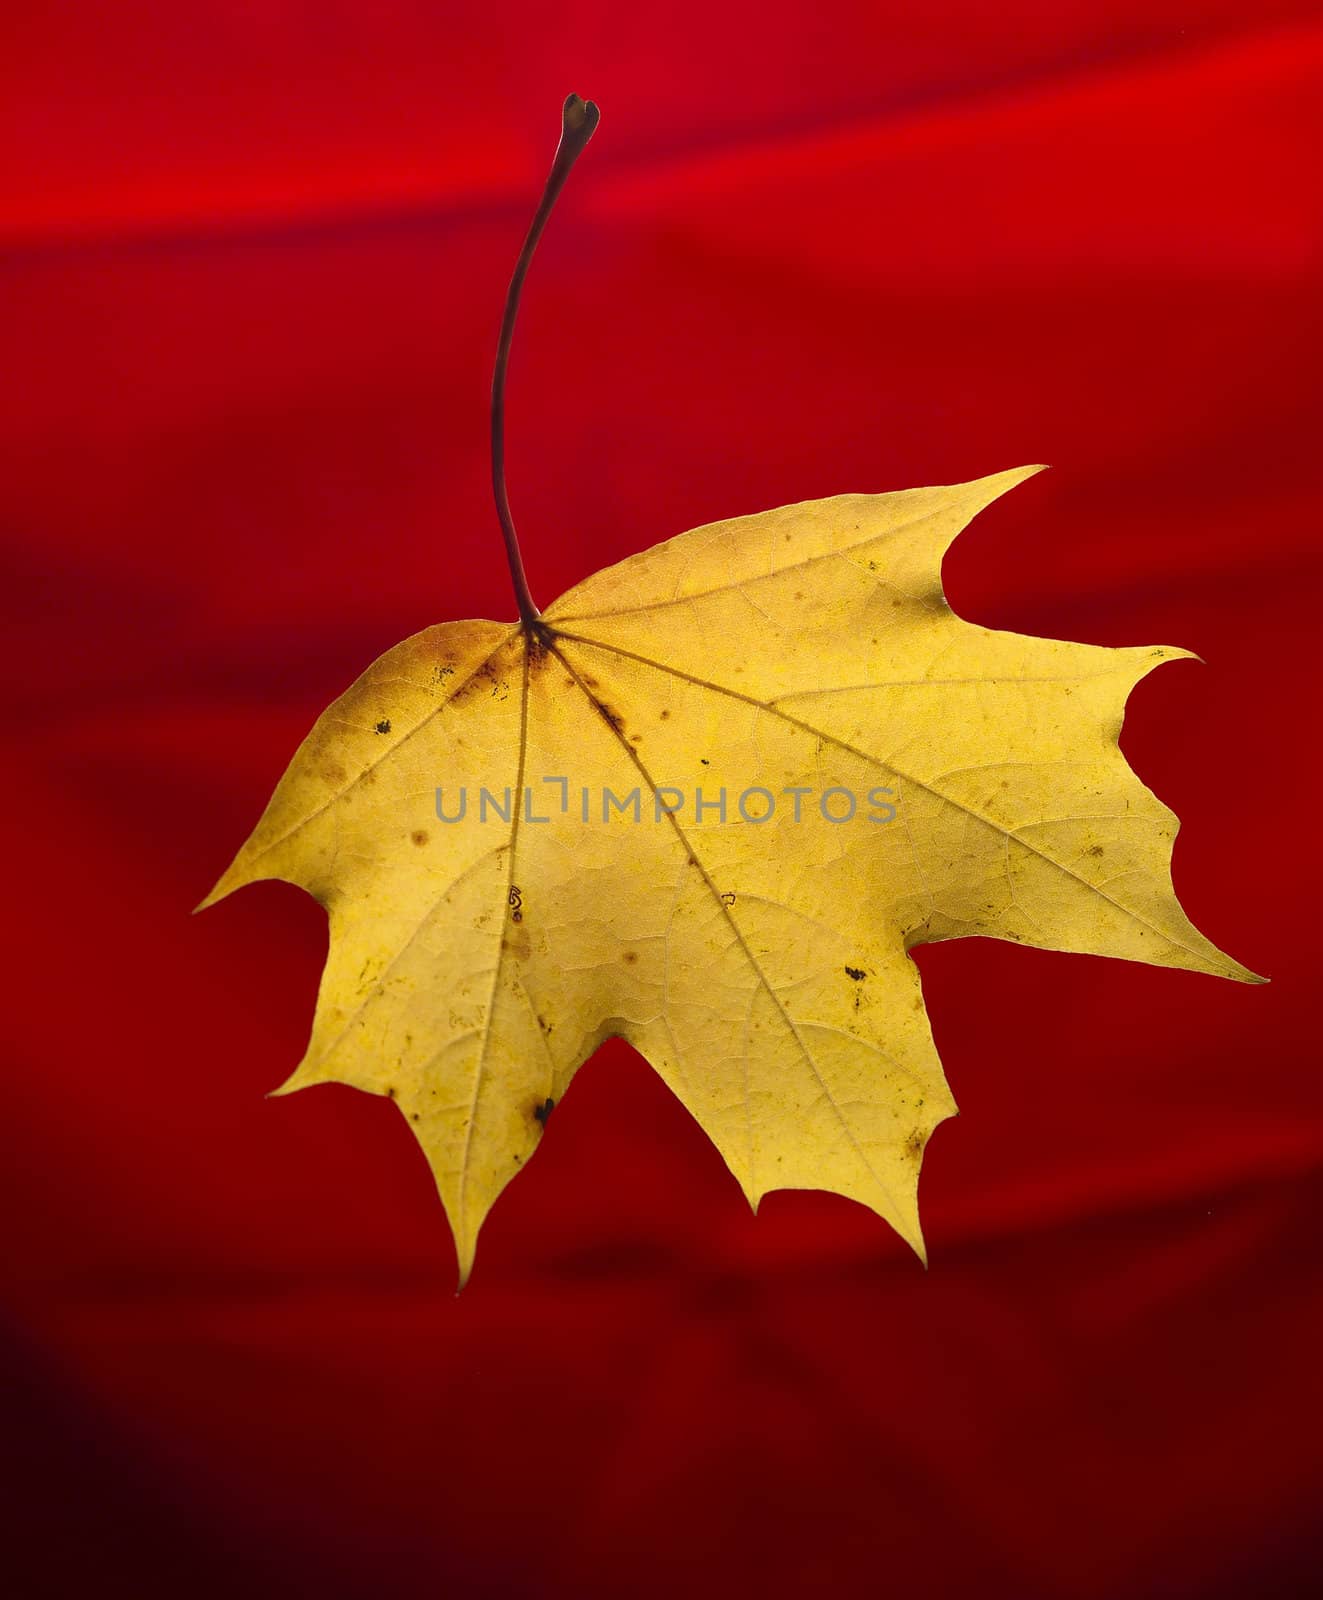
x: 709, y: 801
x: 761, y: 966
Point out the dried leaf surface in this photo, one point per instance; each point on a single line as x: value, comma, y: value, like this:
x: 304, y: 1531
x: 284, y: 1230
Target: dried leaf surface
x: 761, y: 966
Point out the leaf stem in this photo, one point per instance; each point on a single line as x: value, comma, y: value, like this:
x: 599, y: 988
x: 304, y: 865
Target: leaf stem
x: 578, y: 120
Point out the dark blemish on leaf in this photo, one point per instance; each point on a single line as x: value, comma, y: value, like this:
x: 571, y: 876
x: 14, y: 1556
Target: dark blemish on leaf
x: 591, y: 683
x: 914, y: 1144
x: 420, y: 836
x: 636, y: 738
x: 703, y: 761
x: 518, y: 1159
x: 787, y: 538
x: 545, y: 1025
x: 415, y: 1116
x: 918, y: 1003
x: 391, y: 1092
x: 630, y: 957
x: 543, y: 1112
x: 665, y: 713
x: 857, y: 973
x: 384, y: 725
x: 333, y: 772
x: 477, y: 680
x: 1096, y: 850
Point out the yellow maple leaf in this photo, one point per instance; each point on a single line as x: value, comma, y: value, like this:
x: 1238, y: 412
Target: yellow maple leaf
x: 709, y: 801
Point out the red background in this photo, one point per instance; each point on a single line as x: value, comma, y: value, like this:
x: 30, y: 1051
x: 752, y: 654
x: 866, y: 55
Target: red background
x: 253, y: 265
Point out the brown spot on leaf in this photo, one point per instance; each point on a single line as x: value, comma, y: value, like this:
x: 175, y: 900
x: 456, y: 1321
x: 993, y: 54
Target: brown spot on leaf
x: 537, y: 650
x: 630, y: 957
x: 384, y: 725
x: 481, y: 681
x: 857, y: 973
x: 420, y: 836
x: 541, y: 1113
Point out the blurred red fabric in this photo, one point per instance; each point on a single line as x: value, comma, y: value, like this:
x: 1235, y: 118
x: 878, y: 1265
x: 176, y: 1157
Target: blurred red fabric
x: 253, y: 259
